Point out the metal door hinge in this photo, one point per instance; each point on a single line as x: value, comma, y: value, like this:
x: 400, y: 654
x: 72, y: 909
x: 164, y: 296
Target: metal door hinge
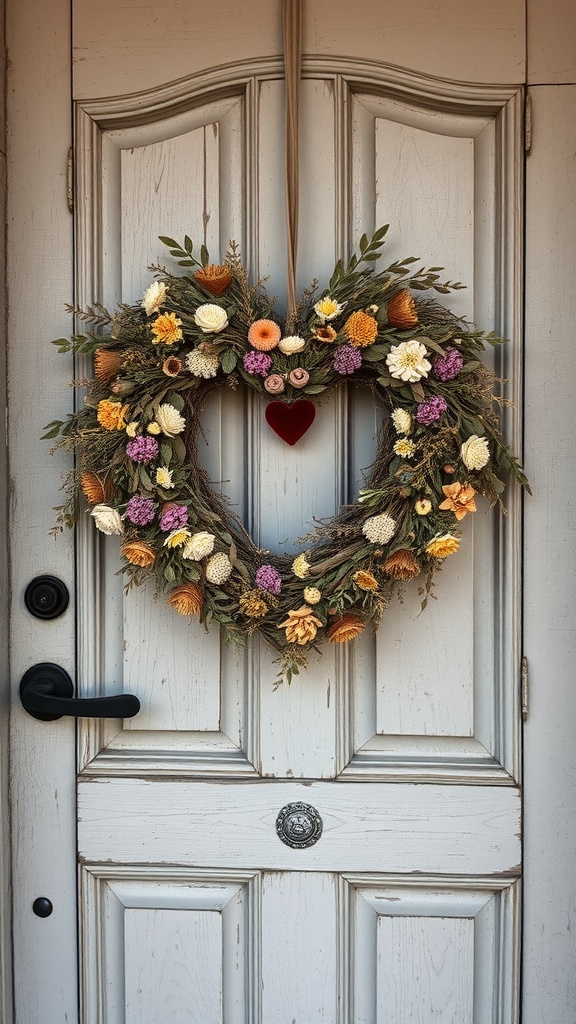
x: 528, y: 124
x: 524, y: 688
x: 70, y: 179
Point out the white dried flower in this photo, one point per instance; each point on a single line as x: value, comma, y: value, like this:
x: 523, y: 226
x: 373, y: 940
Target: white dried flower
x: 211, y: 318
x: 199, y: 545
x: 202, y: 364
x: 327, y: 308
x: 218, y: 568
x: 154, y: 297
x: 475, y: 452
x: 405, y: 448
x: 291, y: 345
x: 169, y: 420
x: 402, y: 421
x: 379, y: 529
x: 164, y: 477
x: 107, y: 520
x: 407, y: 361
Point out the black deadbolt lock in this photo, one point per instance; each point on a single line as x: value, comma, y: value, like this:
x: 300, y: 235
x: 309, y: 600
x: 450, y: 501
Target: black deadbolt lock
x: 46, y: 597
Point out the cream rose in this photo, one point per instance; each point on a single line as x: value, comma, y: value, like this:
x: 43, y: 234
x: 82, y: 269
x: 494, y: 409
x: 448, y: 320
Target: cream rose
x: 199, y: 546
x: 107, y: 520
x: 211, y: 318
x: 291, y: 345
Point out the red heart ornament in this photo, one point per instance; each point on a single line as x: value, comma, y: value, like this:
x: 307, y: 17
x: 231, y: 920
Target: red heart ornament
x: 290, y: 422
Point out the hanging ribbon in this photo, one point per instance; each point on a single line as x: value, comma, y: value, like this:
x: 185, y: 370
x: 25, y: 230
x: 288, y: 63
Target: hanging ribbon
x: 292, y: 33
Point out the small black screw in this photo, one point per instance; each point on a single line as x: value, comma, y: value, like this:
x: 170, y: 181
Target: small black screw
x: 42, y: 906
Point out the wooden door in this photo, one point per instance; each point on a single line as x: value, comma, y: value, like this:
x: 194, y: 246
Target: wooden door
x: 190, y: 907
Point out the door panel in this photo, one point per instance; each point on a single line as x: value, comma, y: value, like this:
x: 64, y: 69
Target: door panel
x: 428, y: 699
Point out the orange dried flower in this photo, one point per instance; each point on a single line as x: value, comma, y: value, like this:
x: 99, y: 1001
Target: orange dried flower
x: 402, y: 565
x: 459, y: 499
x: 187, y: 599
x: 138, y: 553
x: 301, y: 626
x: 264, y: 335
x: 106, y: 364
x: 345, y: 629
x: 442, y: 547
x: 401, y: 310
x: 361, y: 328
x: 325, y: 333
x: 172, y: 366
x: 365, y: 580
x: 112, y: 415
x: 215, y: 278
x: 96, y: 490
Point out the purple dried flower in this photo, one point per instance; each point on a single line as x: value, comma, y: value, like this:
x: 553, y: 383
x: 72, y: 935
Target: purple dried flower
x: 268, y: 578
x: 431, y: 410
x: 174, y: 517
x: 448, y: 366
x: 347, y: 359
x: 142, y: 448
x: 257, y: 362
x: 140, y: 511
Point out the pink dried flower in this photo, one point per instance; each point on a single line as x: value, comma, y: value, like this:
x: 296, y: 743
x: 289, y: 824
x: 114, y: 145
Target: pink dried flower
x: 257, y: 363
x: 174, y: 517
x: 347, y: 359
x: 268, y: 578
x: 142, y: 448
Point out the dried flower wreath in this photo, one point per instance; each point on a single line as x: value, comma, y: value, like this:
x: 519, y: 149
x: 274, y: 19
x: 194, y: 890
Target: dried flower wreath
x: 135, y: 439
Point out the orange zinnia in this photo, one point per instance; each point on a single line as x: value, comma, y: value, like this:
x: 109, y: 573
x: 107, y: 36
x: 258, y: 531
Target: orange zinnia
x: 138, y: 553
x: 401, y: 310
x: 459, y: 499
x: 215, y: 278
x: 96, y: 489
x: 345, y: 629
x: 361, y: 328
x: 402, y: 565
x: 186, y: 599
x: 264, y: 335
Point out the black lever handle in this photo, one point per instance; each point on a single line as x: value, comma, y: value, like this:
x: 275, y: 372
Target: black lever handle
x: 46, y: 694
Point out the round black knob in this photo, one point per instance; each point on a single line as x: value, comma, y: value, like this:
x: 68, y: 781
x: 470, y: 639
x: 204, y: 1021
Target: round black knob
x: 46, y: 597
x: 42, y: 906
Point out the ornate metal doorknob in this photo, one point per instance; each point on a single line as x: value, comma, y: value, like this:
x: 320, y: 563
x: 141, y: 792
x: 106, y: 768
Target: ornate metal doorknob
x: 299, y: 825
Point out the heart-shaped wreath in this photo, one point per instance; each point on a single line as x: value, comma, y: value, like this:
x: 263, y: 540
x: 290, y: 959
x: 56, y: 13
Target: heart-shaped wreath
x: 157, y: 363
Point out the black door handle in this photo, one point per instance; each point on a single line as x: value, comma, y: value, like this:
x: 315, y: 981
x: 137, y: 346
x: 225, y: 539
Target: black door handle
x: 46, y: 694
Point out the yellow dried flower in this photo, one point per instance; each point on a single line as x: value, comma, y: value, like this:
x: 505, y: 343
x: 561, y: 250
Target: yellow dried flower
x: 301, y: 567
x: 365, y: 580
x: 312, y: 595
x: 166, y: 329
x: 361, y: 328
x: 112, y: 415
x: 441, y: 547
x: 252, y: 604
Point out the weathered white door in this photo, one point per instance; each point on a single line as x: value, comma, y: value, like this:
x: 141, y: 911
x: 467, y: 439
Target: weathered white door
x: 190, y: 907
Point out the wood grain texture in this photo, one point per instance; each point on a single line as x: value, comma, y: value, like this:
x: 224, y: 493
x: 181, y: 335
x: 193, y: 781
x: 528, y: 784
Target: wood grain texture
x: 367, y: 826
x: 482, y: 43
x: 550, y: 760
x: 42, y: 764
x: 551, y: 29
